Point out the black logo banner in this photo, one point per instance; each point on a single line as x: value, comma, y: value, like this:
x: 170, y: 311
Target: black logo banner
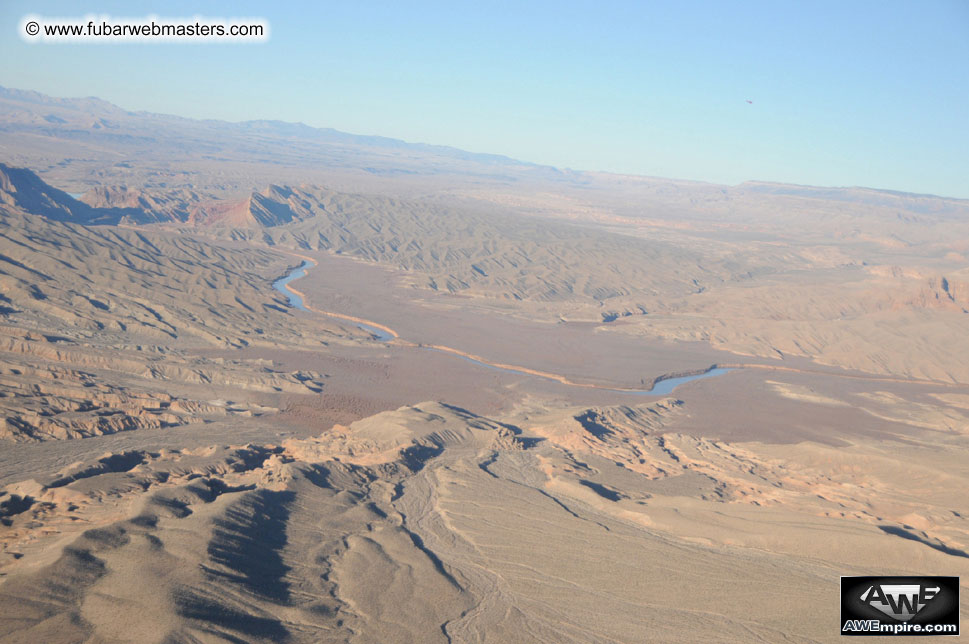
x: 899, y: 606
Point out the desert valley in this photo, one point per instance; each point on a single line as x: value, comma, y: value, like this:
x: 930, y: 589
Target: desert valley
x: 444, y: 428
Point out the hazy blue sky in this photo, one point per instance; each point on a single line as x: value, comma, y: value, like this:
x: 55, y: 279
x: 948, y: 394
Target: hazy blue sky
x: 844, y: 93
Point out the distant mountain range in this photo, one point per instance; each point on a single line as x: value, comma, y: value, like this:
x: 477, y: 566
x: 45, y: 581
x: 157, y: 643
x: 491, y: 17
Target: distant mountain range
x: 140, y: 168
x: 87, y: 138
x: 95, y: 142
x: 90, y: 113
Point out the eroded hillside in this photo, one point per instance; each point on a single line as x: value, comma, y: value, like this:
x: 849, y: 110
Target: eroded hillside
x: 101, y: 325
x: 430, y: 523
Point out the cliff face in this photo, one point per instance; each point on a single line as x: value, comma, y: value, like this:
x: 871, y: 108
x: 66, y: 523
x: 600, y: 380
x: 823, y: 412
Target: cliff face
x: 144, y: 206
x: 274, y: 206
x: 22, y: 189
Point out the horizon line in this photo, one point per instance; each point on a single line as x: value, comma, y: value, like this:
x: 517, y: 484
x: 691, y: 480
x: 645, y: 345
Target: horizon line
x: 893, y: 191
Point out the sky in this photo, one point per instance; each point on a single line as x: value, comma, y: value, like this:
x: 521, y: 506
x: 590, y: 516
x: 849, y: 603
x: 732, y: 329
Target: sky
x: 843, y: 93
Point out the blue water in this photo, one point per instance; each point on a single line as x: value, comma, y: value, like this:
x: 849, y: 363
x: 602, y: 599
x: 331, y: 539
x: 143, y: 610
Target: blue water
x: 379, y: 334
x: 666, y: 387
x: 282, y: 285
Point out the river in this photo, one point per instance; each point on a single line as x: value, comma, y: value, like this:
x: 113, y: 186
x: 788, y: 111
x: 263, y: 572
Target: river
x: 662, y: 387
x: 296, y: 300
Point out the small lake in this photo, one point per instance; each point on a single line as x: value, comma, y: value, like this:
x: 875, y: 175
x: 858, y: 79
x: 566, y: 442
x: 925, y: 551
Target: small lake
x: 662, y: 388
x: 666, y: 387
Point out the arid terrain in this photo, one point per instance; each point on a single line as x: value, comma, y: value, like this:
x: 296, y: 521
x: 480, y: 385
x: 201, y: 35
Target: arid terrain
x: 449, y: 436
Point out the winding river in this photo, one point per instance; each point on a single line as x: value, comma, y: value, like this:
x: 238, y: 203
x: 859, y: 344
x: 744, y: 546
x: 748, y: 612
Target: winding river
x: 381, y: 333
x: 282, y: 285
x: 296, y: 301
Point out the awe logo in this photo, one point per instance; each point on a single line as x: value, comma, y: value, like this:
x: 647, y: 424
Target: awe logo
x: 901, y: 601
x: 899, y: 605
